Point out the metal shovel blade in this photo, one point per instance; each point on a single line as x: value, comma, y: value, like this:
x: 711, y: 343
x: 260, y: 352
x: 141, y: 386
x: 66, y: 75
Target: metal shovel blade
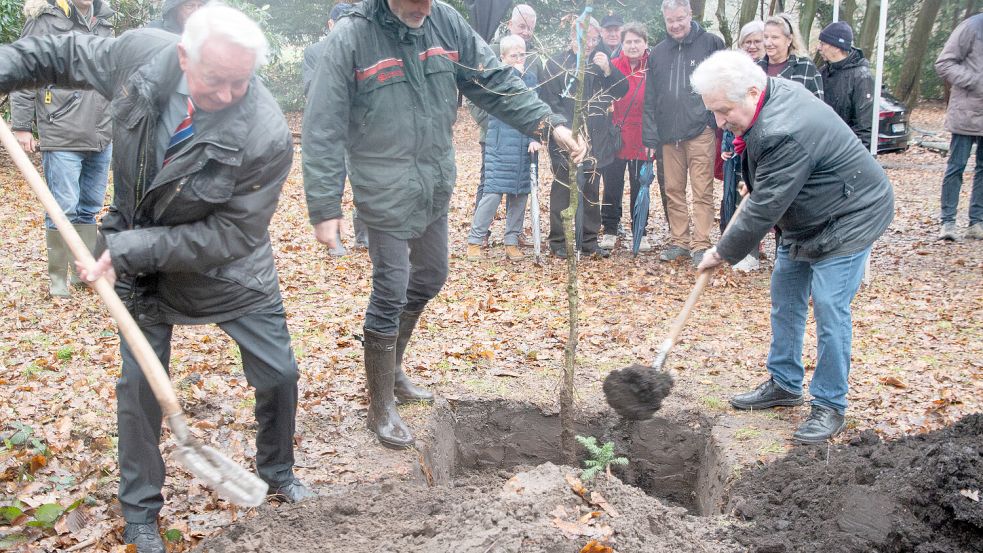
x: 230, y: 480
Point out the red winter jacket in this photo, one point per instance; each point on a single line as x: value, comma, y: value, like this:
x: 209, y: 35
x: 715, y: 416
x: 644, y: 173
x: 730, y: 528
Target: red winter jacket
x: 628, y: 112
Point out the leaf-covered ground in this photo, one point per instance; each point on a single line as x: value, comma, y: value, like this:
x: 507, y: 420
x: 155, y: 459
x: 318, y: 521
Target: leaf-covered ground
x: 497, y: 330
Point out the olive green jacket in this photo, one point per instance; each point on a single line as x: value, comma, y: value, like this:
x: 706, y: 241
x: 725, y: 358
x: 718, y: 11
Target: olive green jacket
x: 387, y: 95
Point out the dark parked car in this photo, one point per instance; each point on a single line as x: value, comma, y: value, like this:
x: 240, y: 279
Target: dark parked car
x: 893, y: 131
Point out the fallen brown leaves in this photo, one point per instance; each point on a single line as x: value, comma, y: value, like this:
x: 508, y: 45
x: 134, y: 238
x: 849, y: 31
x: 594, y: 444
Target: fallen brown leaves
x: 497, y: 330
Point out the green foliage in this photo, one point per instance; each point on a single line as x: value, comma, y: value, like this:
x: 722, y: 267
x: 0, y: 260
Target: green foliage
x: 173, y: 535
x: 10, y: 513
x: 601, y: 457
x: 132, y: 14
x: 283, y: 78
x: 65, y: 353
x: 296, y: 21
x: 44, y: 516
x: 11, y: 20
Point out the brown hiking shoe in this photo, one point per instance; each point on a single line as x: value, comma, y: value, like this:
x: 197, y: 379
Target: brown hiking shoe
x: 513, y: 253
x: 474, y: 252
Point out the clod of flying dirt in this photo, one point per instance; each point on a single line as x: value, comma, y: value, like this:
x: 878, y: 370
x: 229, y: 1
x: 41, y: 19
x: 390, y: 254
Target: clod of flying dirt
x: 636, y: 392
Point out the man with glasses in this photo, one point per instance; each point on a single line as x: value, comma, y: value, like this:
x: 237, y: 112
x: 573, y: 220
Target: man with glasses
x: 677, y: 122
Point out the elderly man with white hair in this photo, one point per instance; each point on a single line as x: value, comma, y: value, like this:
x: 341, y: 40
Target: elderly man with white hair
x: 808, y: 174
x: 202, y: 152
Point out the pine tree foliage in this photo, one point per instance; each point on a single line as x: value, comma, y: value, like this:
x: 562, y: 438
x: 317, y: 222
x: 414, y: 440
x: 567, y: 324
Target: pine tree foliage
x: 601, y: 457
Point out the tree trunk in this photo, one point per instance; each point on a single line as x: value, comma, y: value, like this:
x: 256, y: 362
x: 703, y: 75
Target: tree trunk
x: 848, y: 11
x: 868, y: 29
x: 807, y: 14
x: 568, y: 216
x: 907, y: 89
x: 724, y: 24
x: 749, y: 9
x: 970, y: 9
x: 699, y: 8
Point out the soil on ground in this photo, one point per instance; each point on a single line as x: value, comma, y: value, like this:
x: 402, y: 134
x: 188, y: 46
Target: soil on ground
x: 916, y: 494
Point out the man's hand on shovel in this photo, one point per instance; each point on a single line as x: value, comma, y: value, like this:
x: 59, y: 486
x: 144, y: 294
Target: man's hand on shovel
x: 103, y: 267
x: 710, y: 260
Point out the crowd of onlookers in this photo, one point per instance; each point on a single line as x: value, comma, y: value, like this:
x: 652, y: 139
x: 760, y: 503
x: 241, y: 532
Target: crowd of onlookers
x: 640, y: 108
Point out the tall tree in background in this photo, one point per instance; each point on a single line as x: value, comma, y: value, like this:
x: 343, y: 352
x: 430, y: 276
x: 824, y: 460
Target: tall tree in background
x: 907, y: 88
x: 868, y: 32
x: 724, y: 24
x: 807, y: 14
x: 749, y: 10
x: 699, y: 8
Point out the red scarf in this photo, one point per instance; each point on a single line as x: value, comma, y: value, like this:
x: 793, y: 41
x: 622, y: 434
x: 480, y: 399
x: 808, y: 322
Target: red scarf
x: 739, y: 144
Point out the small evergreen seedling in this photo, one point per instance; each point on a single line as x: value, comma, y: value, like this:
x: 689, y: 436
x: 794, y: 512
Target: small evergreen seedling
x: 601, y: 458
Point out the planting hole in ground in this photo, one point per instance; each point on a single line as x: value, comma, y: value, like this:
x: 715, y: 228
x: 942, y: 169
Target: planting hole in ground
x: 667, y: 459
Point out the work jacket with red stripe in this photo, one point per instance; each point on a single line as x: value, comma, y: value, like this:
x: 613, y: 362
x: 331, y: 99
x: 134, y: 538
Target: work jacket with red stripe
x: 386, y: 95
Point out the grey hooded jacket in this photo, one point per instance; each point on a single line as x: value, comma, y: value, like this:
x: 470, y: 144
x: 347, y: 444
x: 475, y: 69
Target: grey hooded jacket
x: 66, y: 119
x: 810, y: 175
x: 961, y: 65
x: 189, y: 241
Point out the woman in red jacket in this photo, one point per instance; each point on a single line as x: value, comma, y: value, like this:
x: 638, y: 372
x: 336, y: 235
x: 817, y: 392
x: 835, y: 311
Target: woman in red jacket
x: 632, y: 62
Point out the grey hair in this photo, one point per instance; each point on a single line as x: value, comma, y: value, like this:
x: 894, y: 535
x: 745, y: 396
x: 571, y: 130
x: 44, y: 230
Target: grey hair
x: 784, y: 22
x: 218, y: 20
x: 636, y: 29
x: 730, y: 71
x: 523, y: 11
x: 672, y: 4
x: 510, y: 43
x: 592, y: 24
x: 756, y: 26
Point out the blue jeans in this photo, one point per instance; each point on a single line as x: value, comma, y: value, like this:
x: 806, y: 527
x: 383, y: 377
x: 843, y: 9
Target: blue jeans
x: 832, y: 284
x: 952, y: 182
x: 78, y: 181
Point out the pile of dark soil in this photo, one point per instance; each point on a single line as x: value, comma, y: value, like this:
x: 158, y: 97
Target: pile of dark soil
x: 533, y: 512
x: 921, y: 494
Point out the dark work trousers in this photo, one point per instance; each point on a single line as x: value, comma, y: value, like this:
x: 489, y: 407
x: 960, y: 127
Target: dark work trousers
x: 481, y: 180
x: 269, y: 365
x: 614, y: 189
x: 406, y: 274
x: 589, y: 182
x: 660, y: 177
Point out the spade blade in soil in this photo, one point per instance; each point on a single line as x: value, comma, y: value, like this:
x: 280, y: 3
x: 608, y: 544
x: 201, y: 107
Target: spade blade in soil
x: 636, y: 392
x: 230, y: 480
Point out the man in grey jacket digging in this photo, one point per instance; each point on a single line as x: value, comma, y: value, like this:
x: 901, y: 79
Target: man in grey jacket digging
x: 74, y: 130
x: 202, y: 153
x: 809, y: 175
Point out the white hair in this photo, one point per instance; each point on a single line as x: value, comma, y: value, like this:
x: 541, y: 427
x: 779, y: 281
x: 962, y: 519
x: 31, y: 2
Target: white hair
x: 523, y: 12
x: 510, y: 43
x: 756, y: 26
x: 592, y: 23
x: 673, y: 4
x: 218, y: 20
x: 730, y: 71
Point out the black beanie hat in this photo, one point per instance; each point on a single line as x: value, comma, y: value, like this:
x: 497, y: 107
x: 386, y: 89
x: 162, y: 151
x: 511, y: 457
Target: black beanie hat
x: 838, y: 34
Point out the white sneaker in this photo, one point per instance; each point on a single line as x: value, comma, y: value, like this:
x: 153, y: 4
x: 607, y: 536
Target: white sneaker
x: 644, y: 245
x: 607, y: 241
x: 747, y: 265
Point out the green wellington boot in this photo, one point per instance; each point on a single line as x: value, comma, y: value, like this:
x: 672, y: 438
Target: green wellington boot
x: 88, y: 232
x: 405, y: 390
x: 57, y: 264
x: 380, y: 372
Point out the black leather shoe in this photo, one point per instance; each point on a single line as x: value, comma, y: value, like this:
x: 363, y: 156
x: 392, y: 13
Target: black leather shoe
x: 765, y: 396
x: 823, y: 423
x: 291, y: 492
x: 560, y: 253
x: 145, y: 537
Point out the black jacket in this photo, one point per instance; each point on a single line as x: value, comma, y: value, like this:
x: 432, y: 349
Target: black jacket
x: 558, y: 86
x: 189, y: 241
x: 673, y: 111
x: 809, y: 175
x: 848, y: 88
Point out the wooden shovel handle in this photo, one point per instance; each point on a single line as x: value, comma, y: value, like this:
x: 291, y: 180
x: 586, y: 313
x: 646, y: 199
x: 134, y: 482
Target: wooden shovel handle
x: 153, y: 371
x: 701, y: 283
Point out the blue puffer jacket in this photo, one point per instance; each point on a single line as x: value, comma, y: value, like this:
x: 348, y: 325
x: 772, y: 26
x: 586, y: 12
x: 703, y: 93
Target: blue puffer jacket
x: 507, y: 155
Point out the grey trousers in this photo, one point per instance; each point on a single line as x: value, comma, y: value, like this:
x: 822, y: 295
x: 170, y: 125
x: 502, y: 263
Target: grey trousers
x: 515, y: 209
x: 269, y: 365
x: 406, y: 274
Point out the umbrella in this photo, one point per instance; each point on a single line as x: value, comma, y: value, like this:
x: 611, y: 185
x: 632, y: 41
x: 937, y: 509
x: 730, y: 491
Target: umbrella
x: 640, y: 213
x: 534, y: 206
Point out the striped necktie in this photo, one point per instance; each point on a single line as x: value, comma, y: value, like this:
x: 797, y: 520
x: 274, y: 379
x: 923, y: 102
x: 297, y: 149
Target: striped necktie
x: 182, y: 134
